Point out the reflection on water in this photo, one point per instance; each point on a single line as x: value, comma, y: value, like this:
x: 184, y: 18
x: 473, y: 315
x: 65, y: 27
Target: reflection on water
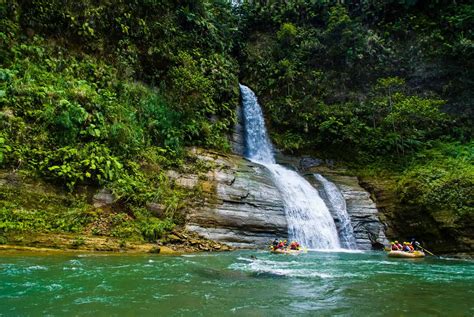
x: 236, y: 283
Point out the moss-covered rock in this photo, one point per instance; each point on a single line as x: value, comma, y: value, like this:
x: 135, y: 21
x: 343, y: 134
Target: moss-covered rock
x: 441, y: 231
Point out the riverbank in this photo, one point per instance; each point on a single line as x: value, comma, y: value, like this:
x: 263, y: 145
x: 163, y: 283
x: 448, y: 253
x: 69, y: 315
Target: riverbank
x: 178, y: 242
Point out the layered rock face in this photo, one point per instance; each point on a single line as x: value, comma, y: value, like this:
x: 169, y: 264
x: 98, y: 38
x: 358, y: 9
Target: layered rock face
x: 369, y: 231
x: 241, y: 206
x: 237, y: 139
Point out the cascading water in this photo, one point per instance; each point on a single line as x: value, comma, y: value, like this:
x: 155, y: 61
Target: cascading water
x: 338, y: 204
x: 258, y: 147
x: 309, y: 220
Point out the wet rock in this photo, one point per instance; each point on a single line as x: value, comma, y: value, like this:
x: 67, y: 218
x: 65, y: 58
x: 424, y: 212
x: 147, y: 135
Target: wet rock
x: 237, y: 139
x: 155, y: 250
x: 103, y: 198
x: 308, y: 162
x: 172, y: 174
x: 369, y: 230
x: 156, y: 209
x: 189, y: 181
x: 171, y: 238
x: 241, y: 207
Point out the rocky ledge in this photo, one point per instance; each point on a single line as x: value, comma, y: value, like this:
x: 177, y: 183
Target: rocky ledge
x: 240, y: 206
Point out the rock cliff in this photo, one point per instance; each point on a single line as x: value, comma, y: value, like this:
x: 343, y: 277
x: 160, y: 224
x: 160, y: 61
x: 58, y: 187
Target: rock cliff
x: 369, y: 230
x: 240, y: 207
x: 442, y: 232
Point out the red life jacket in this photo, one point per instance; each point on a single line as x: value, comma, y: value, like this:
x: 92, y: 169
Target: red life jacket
x: 395, y: 247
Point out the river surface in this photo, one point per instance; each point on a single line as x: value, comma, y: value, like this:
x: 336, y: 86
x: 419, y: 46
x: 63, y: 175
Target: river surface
x: 240, y: 283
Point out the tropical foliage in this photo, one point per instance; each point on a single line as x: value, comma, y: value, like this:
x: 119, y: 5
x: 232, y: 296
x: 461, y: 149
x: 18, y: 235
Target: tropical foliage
x: 382, y: 85
x: 110, y: 94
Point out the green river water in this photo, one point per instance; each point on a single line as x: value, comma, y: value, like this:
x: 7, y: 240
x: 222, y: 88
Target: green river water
x: 240, y: 283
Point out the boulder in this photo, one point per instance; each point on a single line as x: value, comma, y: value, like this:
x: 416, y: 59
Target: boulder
x: 188, y: 181
x: 103, y: 198
x: 156, y: 209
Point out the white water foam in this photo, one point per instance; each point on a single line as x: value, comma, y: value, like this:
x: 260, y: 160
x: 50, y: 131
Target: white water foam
x: 339, y: 209
x: 278, y: 268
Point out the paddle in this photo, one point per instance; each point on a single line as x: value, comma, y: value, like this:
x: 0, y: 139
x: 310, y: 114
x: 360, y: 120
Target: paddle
x: 426, y: 251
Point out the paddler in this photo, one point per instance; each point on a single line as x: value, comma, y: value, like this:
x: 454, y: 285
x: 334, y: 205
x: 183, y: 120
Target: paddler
x: 294, y: 245
x: 275, y: 244
x: 399, y: 246
x: 416, y: 245
x: 406, y: 248
x: 281, y: 245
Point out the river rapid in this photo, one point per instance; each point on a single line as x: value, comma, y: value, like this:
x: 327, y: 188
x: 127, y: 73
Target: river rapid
x: 239, y: 283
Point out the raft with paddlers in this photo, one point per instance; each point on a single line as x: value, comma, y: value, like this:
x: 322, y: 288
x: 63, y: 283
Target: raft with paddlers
x: 404, y: 254
x: 288, y: 251
x: 282, y: 247
x: 411, y: 249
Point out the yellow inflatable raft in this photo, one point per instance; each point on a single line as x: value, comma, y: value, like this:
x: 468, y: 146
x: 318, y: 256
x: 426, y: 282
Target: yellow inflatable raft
x: 288, y: 251
x: 403, y: 254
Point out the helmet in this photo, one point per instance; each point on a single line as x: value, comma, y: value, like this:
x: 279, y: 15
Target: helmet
x: 396, y: 241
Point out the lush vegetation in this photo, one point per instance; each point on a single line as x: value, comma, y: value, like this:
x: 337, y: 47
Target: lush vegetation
x: 440, y: 179
x: 370, y: 77
x: 110, y: 94
x: 24, y: 210
x: 382, y: 85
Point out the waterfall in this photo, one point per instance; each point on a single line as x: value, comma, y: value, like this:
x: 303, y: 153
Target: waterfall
x: 258, y: 147
x: 338, y: 206
x: 309, y: 220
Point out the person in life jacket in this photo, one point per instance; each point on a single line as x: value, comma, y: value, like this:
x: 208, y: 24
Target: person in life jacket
x: 394, y: 247
x: 406, y: 248
x: 399, y: 246
x: 281, y: 245
x: 416, y: 245
x: 294, y: 245
x: 275, y: 244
